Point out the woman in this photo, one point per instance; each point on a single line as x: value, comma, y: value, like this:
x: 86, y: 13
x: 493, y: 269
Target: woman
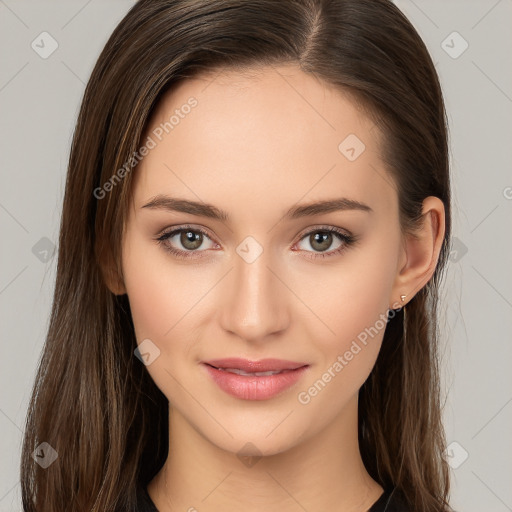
x: 255, y: 223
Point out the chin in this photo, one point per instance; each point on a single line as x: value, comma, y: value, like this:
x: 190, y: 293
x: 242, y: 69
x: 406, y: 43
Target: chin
x: 256, y: 440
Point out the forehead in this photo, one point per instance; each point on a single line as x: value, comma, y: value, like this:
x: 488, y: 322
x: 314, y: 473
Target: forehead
x: 272, y: 135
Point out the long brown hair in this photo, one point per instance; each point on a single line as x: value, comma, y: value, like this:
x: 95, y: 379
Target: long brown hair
x: 93, y: 402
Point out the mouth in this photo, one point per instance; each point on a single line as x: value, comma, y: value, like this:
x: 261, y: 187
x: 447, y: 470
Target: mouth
x: 254, y: 380
x: 252, y: 367
x: 251, y: 374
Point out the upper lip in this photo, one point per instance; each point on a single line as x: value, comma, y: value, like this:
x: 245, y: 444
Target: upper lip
x: 263, y: 365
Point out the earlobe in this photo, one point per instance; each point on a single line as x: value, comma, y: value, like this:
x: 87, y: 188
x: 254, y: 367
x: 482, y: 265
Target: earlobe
x: 113, y: 280
x: 115, y: 284
x: 422, y: 249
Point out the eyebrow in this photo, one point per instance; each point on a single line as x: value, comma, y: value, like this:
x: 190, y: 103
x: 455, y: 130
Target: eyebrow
x: 163, y: 202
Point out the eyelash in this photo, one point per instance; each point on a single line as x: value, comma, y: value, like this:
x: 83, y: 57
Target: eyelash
x: 348, y: 241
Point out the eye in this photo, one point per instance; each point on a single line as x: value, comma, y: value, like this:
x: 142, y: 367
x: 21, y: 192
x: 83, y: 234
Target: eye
x: 320, y: 240
x: 185, y: 241
x: 189, y: 242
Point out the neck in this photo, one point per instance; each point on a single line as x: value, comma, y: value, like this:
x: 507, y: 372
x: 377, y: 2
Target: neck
x: 324, y: 472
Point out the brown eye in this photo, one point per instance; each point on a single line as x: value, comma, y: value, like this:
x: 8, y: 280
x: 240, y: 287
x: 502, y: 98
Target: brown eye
x: 186, y: 241
x: 191, y: 240
x: 320, y: 241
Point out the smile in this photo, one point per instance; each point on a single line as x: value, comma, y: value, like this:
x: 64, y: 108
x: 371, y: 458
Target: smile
x: 254, y: 380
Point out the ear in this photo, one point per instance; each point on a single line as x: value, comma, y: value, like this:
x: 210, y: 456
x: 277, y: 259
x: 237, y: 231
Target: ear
x: 114, y: 283
x: 420, y: 252
x: 112, y: 278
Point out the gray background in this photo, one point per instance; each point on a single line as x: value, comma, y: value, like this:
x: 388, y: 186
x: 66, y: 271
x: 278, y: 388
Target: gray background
x: 39, y: 98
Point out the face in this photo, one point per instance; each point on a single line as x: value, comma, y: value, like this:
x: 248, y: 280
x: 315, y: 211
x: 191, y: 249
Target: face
x: 257, y: 275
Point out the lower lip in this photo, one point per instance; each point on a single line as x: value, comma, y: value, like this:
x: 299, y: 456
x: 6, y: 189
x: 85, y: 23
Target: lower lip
x: 254, y: 388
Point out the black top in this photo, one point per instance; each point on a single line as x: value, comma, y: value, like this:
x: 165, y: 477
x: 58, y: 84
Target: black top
x: 390, y: 501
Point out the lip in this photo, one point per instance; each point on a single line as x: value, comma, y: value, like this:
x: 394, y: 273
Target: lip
x: 254, y: 387
x: 263, y: 365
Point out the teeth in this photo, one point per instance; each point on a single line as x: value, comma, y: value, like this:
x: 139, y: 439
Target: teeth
x: 253, y: 374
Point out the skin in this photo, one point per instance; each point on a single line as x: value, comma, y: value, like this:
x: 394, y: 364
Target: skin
x: 255, y: 145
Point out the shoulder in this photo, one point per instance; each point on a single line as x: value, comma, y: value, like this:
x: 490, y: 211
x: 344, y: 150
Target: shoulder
x: 144, y: 503
x: 391, y: 500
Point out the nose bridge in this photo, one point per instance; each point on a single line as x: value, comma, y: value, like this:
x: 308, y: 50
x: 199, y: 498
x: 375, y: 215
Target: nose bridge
x: 255, y: 306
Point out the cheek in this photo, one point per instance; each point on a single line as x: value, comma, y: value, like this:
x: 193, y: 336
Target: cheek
x: 150, y: 297
x: 353, y: 295
x: 352, y: 300
x: 169, y: 305
x: 161, y: 293
x: 164, y: 300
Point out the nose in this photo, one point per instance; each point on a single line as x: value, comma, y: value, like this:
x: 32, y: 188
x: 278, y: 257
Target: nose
x: 254, y: 301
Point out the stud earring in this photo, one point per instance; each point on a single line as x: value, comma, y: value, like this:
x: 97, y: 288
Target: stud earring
x: 402, y: 297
